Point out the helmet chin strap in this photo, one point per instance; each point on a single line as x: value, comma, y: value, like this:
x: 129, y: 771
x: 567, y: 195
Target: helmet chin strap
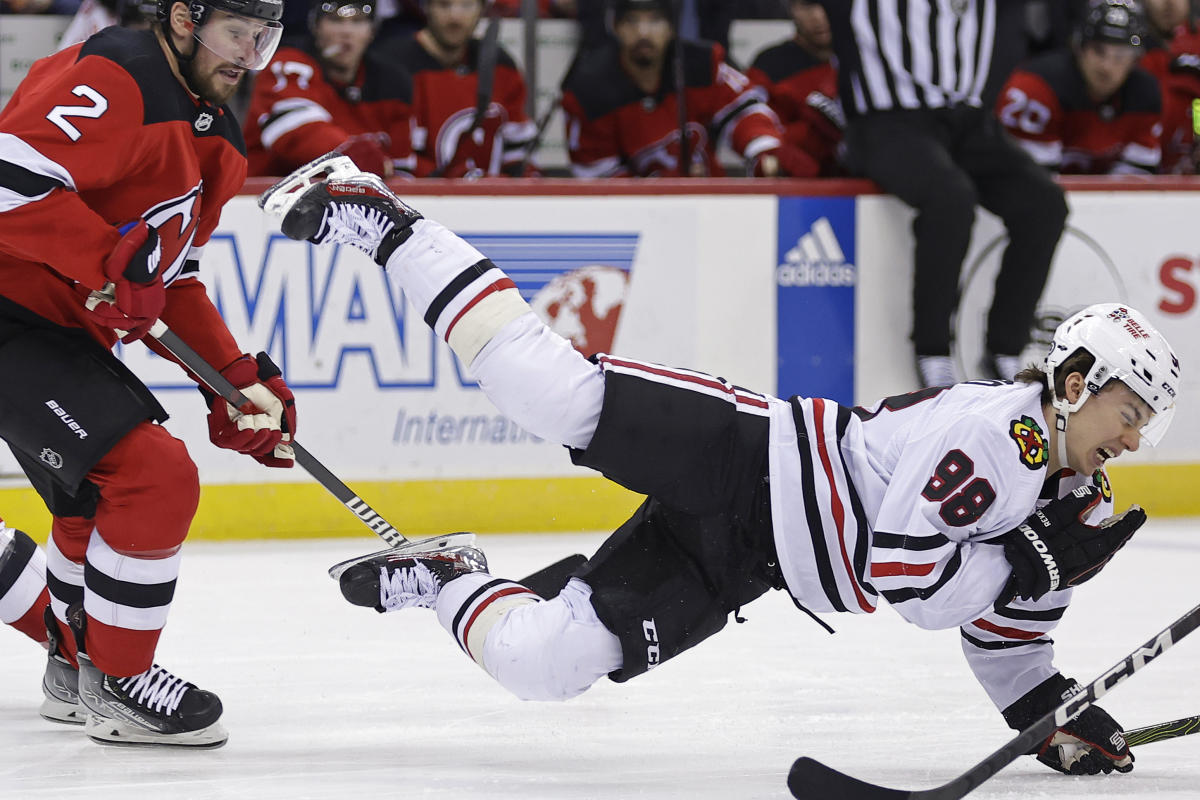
x: 1060, y: 425
x: 183, y: 61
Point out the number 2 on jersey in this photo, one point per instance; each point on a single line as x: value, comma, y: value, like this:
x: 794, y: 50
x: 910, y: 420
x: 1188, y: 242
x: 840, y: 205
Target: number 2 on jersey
x: 58, y: 115
x: 960, y: 506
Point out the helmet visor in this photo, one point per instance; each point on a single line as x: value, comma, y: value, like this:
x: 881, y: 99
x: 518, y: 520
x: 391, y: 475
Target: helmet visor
x: 243, y: 41
x: 1154, y: 430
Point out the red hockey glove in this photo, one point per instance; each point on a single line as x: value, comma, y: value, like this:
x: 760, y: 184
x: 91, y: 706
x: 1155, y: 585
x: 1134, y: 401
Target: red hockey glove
x: 369, y: 152
x: 136, y: 283
x: 1054, y: 548
x: 262, y: 428
x: 786, y: 161
x: 1091, y: 743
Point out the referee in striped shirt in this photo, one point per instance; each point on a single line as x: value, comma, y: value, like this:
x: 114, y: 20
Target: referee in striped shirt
x: 918, y: 80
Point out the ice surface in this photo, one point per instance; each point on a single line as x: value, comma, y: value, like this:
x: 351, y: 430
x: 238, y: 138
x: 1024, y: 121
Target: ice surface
x: 325, y: 700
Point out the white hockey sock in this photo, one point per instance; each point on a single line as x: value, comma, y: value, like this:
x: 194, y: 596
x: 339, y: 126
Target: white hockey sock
x: 22, y: 574
x: 463, y: 296
x: 538, y: 650
x: 471, y: 605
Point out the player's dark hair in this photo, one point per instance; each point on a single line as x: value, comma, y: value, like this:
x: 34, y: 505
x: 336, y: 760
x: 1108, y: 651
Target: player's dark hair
x: 1080, y: 361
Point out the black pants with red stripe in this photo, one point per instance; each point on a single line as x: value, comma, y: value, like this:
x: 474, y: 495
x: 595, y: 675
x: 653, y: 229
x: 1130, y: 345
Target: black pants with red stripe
x: 701, y: 546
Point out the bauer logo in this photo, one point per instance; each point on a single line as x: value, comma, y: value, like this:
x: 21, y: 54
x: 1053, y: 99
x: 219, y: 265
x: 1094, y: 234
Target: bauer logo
x: 815, y: 278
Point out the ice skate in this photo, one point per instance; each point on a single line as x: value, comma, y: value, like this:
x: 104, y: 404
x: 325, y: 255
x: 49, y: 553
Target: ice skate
x: 406, y: 577
x: 331, y: 201
x: 60, y: 683
x: 153, y: 708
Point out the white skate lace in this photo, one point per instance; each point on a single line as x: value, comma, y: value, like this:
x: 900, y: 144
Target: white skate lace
x: 358, y: 226
x: 156, y: 689
x: 408, y: 587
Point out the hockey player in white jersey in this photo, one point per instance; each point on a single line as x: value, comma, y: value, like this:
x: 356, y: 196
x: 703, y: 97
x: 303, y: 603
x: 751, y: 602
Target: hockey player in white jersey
x: 978, y: 506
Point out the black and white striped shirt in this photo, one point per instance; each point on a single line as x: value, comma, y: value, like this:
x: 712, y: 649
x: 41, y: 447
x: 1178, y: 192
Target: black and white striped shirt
x: 920, y: 54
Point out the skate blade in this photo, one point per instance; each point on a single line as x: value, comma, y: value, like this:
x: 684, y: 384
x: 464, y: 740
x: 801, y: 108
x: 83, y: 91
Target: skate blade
x: 61, y: 712
x: 442, y: 542
x: 121, y: 734
x: 280, y: 198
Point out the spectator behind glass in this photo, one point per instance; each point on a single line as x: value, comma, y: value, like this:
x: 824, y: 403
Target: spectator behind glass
x: 329, y: 93
x: 801, y: 85
x: 920, y: 124
x: 1173, y: 56
x: 447, y: 64
x: 96, y: 15
x: 622, y: 113
x: 1088, y: 109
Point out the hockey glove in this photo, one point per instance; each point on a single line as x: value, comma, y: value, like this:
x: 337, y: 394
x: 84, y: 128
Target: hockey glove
x: 1054, y: 548
x: 1091, y: 743
x: 264, y: 427
x: 369, y: 152
x: 135, y: 282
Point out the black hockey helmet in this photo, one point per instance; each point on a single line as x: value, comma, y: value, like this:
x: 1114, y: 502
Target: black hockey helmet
x: 342, y: 8
x: 262, y: 17
x: 266, y: 10
x: 1114, y: 22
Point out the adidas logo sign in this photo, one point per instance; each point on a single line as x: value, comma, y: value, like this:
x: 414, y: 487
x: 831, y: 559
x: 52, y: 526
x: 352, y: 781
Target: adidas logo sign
x: 816, y: 260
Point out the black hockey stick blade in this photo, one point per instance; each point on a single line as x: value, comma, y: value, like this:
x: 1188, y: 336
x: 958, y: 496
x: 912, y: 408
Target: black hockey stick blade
x: 550, y: 580
x: 809, y: 779
x: 1162, y: 731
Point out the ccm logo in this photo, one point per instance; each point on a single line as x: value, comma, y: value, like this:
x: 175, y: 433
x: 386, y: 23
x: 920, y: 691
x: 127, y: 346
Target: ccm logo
x: 653, y: 655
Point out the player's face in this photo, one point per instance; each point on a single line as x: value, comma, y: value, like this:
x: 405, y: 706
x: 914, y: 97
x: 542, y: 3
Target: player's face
x: 453, y: 22
x: 1165, y: 15
x: 643, y: 36
x: 1106, y: 426
x: 212, y: 77
x: 812, y: 25
x: 1106, y: 66
x: 343, y: 41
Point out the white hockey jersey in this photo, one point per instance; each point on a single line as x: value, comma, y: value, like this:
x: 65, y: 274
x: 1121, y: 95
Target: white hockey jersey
x: 904, y: 500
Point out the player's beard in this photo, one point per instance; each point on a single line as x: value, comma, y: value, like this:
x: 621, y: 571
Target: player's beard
x: 209, y: 85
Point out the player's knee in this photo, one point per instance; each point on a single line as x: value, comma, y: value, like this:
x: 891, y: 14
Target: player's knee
x: 149, y: 491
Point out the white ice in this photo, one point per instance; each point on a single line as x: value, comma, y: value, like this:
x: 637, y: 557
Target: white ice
x: 325, y: 700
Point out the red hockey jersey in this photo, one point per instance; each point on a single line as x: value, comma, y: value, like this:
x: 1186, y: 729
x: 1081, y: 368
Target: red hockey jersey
x: 96, y: 136
x: 1176, y: 64
x: 447, y: 138
x: 615, y: 129
x: 297, y: 113
x: 802, y: 91
x: 1046, y: 107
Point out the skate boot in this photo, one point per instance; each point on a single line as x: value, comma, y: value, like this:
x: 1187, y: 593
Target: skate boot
x: 331, y: 201
x: 153, y: 708
x: 404, y: 577
x: 60, y: 683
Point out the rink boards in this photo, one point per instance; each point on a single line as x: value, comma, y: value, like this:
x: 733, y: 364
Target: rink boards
x: 805, y: 291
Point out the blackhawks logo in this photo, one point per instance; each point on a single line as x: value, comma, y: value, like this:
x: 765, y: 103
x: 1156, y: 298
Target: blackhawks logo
x: 1100, y: 479
x: 1030, y: 441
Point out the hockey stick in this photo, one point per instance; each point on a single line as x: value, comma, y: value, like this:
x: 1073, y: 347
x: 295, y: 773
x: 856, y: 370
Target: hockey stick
x: 809, y: 779
x: 544, y: 580
x: 1163, y: 731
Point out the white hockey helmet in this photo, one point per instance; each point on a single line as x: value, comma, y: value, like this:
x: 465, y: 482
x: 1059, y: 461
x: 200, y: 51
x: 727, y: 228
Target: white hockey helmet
x: 1126, y: 348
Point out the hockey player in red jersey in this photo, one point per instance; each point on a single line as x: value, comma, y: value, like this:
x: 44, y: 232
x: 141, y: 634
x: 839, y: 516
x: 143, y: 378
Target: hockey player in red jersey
x: 116, y: 157
x: 1089, y: 109
x: 1173, y: 56
x: 459, y: 130
x: 801, y: 85
x: 332, y: 93
x: 977, y: 506
x: 621, y: 104
x: 23, y: 593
